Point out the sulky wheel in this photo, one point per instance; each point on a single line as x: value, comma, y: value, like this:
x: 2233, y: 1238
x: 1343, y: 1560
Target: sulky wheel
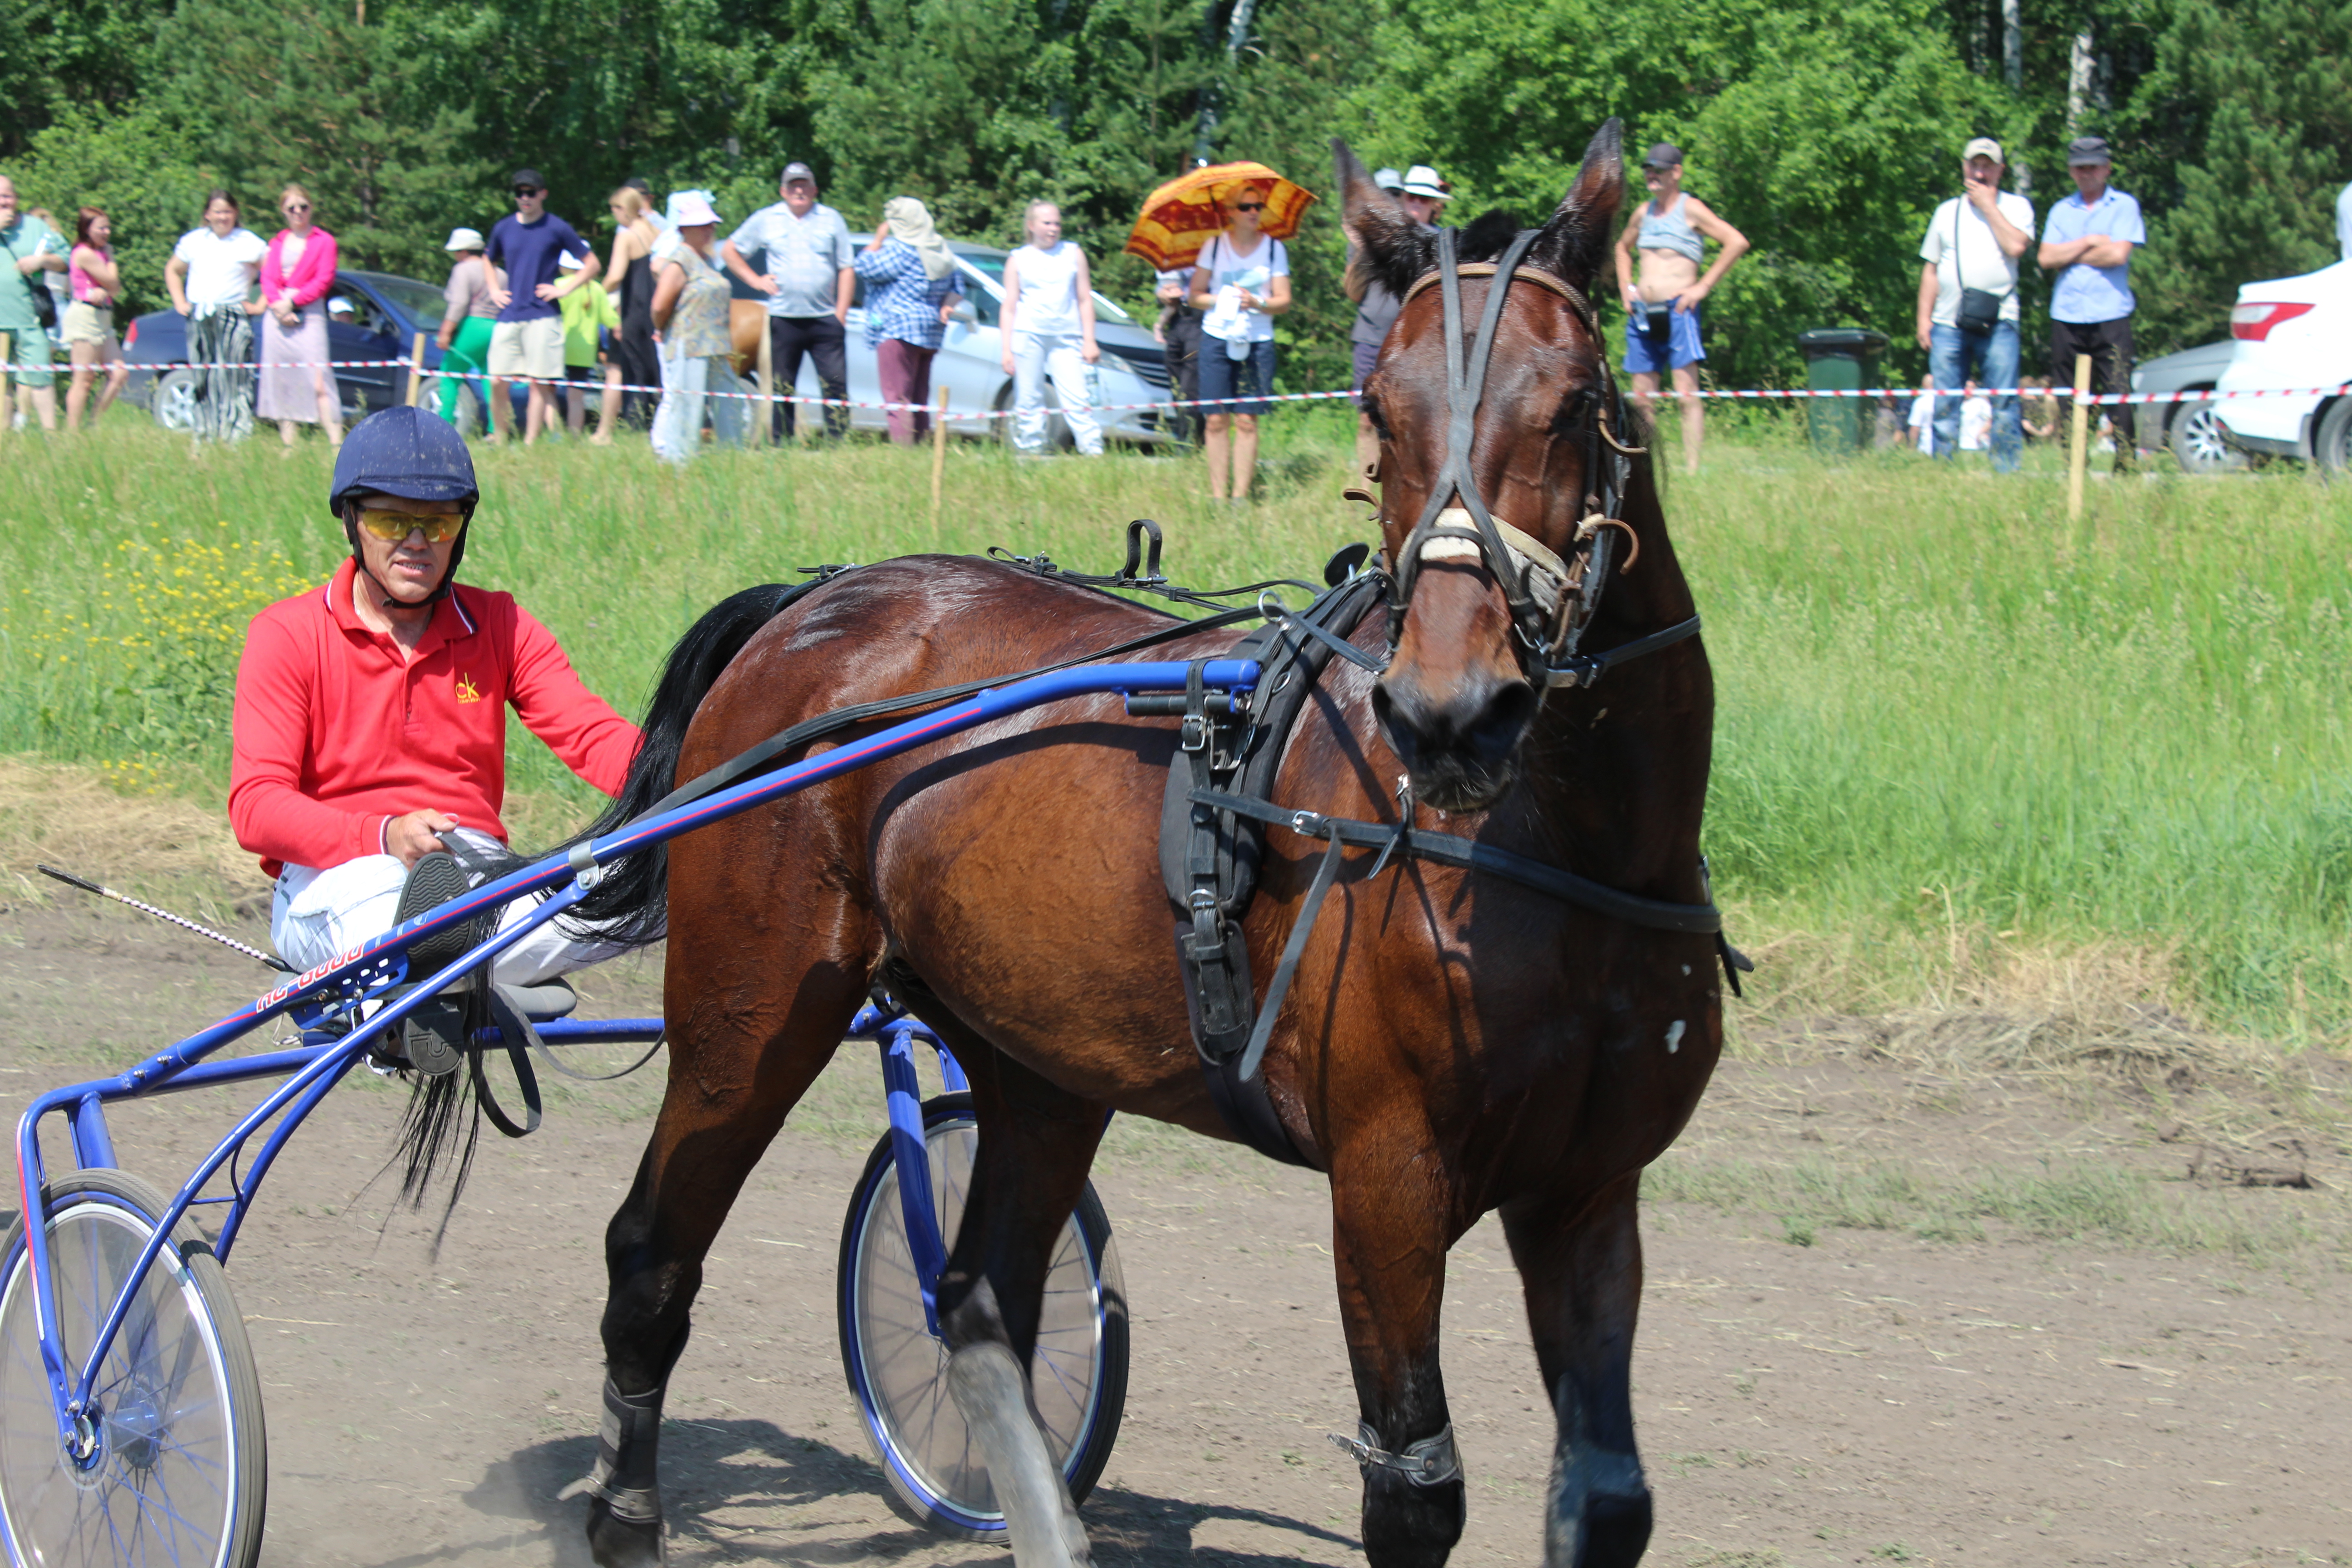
x: 180, y: 1470
x: 897, y: 1370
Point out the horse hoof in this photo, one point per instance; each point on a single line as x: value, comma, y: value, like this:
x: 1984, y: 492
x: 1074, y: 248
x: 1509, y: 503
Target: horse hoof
x: 618, y: 1543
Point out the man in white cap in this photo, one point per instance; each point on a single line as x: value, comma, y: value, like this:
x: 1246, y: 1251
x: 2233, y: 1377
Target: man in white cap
x: 809, y: 283
x: 1968, y: 306
x: 467, y: 323
x: 1662, y: 321
x: 2088, y: 242
x: 1421, y: 193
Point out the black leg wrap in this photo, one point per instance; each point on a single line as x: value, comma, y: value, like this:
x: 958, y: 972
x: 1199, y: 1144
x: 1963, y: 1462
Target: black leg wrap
x: 625, y: 1511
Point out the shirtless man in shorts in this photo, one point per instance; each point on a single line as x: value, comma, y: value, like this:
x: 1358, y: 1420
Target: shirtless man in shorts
x: 1670, y: 229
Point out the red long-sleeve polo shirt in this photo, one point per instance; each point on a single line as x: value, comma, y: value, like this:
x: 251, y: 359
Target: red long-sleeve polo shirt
x: 335, y: 732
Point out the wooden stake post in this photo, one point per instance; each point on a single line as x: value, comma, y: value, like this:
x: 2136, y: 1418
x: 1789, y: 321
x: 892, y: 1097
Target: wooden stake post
x: 7, y: 382
x: 416, y: 370
x: 767, y: 416
x: 939, y: 458
x: 2079, y: 455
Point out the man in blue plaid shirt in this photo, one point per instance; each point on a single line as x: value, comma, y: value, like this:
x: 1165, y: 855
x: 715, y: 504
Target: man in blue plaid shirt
x: 911, y: 287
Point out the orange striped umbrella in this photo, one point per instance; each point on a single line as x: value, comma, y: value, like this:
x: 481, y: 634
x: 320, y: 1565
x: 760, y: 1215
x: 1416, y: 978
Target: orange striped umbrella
x: 1180, y: 217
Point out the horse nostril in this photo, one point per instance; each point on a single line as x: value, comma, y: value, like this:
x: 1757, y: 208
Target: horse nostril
x: 1480, y: 725
x: 1500, y: 720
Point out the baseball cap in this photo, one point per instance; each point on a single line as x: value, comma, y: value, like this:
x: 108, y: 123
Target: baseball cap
x: 1389, y: 179
x: 1985, y: 146
x: 530, y: 178
x: 568, y: 262
x: 1421, y: 180
x: 464, y: 239
x: 2088, y: 149
x: 1664, y: 155
x: 690, y: 208
x: 796, y: 172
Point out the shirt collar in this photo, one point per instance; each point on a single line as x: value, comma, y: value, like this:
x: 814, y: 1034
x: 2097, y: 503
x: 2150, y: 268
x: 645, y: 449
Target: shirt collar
x: 452, y: 621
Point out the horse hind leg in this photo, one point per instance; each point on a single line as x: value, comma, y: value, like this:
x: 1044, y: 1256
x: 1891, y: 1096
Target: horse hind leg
x: 731, y: 1082
x: 1584, y: 1284
x: 1036, y: 1144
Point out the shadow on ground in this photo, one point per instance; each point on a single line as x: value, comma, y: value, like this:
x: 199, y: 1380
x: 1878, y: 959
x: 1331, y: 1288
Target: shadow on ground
x: 735, y: 1486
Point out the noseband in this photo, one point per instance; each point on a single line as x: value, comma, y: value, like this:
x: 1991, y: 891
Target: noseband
x: 1551, y: 601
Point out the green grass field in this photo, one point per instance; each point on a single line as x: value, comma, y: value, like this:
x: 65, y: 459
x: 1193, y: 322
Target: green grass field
x: 1962, y: 748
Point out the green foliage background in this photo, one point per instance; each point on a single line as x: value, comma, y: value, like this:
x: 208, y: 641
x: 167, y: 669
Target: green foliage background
x: 1827, y: 132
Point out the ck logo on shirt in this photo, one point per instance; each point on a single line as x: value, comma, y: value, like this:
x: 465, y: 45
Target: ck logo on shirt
x: 466, y: 690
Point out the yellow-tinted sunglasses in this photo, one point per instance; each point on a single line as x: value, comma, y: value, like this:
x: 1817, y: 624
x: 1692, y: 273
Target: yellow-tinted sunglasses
x: 395, y: 526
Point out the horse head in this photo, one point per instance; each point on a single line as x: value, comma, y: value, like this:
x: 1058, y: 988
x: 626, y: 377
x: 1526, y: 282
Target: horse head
x: 1499, y: 431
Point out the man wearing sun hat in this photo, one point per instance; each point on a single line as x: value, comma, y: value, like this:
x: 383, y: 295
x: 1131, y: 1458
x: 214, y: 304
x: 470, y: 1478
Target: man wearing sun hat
x: 2088, y: 242
x: 368, y: 739
x: 466, y: 321
x: 810, y: 281
x: 1420, y: 192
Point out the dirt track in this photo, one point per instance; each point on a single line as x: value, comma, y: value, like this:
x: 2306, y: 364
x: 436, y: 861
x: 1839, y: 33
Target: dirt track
x: 1866, y: 1398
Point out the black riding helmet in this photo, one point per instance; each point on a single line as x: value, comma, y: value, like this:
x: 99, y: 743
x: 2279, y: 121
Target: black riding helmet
x: 405, y: 452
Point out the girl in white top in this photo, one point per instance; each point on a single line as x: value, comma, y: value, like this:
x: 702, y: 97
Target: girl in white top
x: 1048, y: 328
x: 1243, y: 281
x: 212, y: 271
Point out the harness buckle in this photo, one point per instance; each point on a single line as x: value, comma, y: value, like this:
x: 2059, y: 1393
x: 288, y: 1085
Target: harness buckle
x: 1193, y: 734
x: 1205, y: 922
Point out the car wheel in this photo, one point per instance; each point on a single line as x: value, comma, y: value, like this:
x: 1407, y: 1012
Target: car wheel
x: 2331, y: 444
x: 1057, y: 429
x: 2197, y: 441
x: 173, y: 401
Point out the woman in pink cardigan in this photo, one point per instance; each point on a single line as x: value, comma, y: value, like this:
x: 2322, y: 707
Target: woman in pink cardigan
x: 296, y: 274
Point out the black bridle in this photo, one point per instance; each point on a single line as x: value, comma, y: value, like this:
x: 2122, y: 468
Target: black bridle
x: 1551, y: 601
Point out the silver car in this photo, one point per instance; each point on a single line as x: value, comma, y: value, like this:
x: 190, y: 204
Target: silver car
x: 970, y: 368
x: 2191, y: 429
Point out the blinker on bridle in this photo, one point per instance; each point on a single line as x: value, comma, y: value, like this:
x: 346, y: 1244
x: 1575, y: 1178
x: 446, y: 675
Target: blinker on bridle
x: 1551, y: 601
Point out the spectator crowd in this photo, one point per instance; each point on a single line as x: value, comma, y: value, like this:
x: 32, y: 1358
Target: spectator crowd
x: 650, y: 327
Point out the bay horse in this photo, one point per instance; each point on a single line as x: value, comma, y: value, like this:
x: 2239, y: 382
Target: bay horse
x: 1453, y: 1043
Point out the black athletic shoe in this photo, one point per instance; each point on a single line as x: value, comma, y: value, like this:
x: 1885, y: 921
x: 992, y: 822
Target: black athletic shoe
x: 434, y: 1035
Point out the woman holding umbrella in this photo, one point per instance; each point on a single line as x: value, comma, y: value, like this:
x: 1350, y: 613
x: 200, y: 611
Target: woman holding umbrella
x: 1243, y: 280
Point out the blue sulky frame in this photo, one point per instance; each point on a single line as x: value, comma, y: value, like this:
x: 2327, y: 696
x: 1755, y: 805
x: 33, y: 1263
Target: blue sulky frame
x: 334, y: 993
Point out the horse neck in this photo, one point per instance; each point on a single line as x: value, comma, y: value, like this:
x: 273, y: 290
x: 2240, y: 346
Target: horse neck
x: 1620, y: 767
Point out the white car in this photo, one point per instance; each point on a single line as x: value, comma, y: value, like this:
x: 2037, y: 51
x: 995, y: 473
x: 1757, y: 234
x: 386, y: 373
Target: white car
x: 2292, y: 332
x: 1133, y: 368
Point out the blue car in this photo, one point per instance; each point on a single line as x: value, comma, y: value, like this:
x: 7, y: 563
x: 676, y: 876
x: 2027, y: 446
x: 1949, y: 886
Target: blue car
x: 370, y: 316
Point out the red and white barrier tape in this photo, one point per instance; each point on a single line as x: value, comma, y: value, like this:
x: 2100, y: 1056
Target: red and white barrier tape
x: 2100, y: 399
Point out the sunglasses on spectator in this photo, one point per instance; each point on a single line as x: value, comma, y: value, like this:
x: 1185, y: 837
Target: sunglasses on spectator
x: 1249, y: 206
x: 297, y: 206
x: 530, y: 190
x: 395, y: 526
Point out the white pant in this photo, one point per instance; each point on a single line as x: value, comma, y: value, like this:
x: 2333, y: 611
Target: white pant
x: 678, y: 421
x: 314, y: 915
x: 1033, y: 358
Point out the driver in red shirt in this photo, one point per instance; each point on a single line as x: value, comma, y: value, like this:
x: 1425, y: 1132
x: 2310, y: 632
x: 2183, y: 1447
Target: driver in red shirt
x: 368, y: 760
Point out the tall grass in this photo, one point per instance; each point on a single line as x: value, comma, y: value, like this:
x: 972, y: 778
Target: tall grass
x: 1950, y: 726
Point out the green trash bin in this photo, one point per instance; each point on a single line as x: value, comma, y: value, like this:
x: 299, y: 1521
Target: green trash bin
x: 1841, y: 358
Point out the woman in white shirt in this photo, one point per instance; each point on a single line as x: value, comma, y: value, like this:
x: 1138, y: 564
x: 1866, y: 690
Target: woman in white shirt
x: 1243, y: 280
x: 212, y: 274
x: 1048, y: 328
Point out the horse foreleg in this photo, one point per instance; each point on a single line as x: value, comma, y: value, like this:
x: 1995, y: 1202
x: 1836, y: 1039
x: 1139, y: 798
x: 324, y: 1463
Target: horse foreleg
x: 1036, y: 1144
x: 728, y: 1093
x: 1389, y: 1239
x: 1584, y: 1277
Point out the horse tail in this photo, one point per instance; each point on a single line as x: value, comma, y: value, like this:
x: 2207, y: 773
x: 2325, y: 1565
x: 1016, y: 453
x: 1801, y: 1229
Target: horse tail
x: 631, y: 905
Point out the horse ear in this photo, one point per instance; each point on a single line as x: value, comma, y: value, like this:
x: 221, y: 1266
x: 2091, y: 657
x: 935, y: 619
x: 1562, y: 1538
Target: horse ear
x: 1394, y: 248
x: 1575, y: 243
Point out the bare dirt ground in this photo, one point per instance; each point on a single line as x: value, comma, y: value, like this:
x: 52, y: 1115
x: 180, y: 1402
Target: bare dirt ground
x: 1816, y: 1383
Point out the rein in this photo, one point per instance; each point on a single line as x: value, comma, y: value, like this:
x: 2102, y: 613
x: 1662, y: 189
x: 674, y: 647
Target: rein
x: 1551, y: 601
